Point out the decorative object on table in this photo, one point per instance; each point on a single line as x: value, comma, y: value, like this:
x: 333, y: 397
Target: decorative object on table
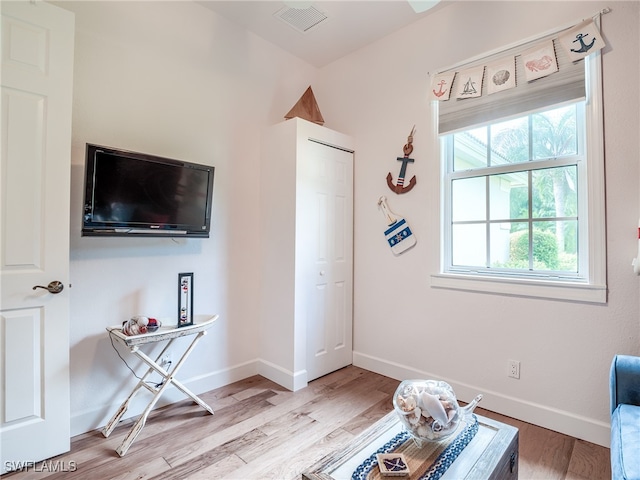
x: 427, y: 462
x: 429, y: 409
x: 399, y: 186
x: 398, y: 233
x: 153, y: 325
x: 140, y: 324
x: 185, y: 299
x: 306, y: 108
x: 392, y: 464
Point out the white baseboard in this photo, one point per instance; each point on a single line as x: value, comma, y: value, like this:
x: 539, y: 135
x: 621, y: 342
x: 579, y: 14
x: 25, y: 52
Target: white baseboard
x: 562, y: 421
x: 95, y: 418
x: 558, y: 420
x: 290, y: 380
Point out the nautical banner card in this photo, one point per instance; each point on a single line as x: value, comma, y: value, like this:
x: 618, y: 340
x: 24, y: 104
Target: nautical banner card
x: 582, y: 40
x: 441, y: 86
x: 540, y: 61
x: 501, y: 75
x: 469, y: 83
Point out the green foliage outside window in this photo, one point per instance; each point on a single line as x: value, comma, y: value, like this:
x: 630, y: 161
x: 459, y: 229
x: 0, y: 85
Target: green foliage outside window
x: 545, y: 251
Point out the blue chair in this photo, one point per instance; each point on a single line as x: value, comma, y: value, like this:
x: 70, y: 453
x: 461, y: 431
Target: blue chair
x: 624, y: 384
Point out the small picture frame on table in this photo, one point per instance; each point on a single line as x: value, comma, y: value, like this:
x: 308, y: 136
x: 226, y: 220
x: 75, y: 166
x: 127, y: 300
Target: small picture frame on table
x: 185, y: 299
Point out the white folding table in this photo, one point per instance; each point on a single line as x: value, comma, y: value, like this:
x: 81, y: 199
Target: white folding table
x: 134, y: 342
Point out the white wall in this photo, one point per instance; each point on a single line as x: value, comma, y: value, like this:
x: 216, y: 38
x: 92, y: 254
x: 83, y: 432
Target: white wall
x: 173, y: 79
x: 565, y: 349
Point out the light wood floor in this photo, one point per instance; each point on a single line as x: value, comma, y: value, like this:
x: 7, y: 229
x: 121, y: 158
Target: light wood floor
x: 262, y: 431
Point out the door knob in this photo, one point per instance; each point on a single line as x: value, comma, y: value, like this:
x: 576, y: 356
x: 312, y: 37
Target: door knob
x: 53, y: 287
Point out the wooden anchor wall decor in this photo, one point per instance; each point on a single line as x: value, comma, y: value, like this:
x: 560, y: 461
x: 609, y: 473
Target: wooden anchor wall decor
x: 399, y: 186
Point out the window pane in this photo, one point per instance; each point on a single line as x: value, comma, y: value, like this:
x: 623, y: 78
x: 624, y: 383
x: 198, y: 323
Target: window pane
x: 507, y: 213
x: 554, y: 192
x: 568, y: 248
x: 469, y: 245
x: 501, y: 253
x: 468, y: 198
x: 509, y: 197
x: 510, y: 141
x: 470, y: 149
x: 513, y: 249
x: 554, y: 133
x: 555, y: 246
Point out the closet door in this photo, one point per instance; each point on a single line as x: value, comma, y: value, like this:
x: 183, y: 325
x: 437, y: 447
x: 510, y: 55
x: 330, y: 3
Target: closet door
x: 327, y: 182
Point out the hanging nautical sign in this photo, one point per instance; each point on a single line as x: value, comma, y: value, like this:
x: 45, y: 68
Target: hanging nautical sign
x: 470, y: 83
x: 540, y: 61
x: 582, y: 40
x: 398, y: 233
x: 441, y: 86
x: 399, y: 186
x: 501, y: 75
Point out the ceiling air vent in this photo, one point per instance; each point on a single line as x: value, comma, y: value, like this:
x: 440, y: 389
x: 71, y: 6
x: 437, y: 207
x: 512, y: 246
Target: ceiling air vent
x: 302, y: 19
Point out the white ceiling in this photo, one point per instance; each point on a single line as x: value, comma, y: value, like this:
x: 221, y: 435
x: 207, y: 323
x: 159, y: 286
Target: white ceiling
x: 350, y: 24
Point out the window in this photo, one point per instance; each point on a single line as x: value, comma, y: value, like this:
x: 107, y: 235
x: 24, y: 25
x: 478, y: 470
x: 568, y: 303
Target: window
x: 522, y: 204
x: 513, y: 195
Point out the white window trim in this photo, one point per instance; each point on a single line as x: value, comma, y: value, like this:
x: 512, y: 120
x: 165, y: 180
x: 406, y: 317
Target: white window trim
x: 594, y: 290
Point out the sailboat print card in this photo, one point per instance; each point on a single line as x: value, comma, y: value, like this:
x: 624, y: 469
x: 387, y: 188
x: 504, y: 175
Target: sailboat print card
x: 581, y: 40
x: 540, y: 61
x: 469, y: 83
x: 441, y: 86
x: 501, y: 75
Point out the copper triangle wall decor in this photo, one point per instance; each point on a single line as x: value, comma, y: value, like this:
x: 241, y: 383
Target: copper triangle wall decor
x: 306, y: 108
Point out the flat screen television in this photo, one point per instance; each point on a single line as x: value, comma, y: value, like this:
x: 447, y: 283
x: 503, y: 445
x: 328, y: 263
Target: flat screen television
x: 129, y: 193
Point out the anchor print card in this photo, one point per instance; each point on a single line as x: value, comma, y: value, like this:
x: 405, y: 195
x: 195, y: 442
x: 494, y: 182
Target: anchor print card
x: 469, y: 83
x: 540, y: 61
x: 581, y: 40
x: 441, y: 86
x: 501, y: 75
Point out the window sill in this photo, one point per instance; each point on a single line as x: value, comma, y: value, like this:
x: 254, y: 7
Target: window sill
x: 551, y: 290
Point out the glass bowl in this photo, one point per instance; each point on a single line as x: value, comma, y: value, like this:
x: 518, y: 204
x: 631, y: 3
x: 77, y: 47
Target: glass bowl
x: 429, y: 409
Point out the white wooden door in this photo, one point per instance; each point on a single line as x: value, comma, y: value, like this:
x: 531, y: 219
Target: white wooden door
x: 37, y: 75
x: 329, y: 207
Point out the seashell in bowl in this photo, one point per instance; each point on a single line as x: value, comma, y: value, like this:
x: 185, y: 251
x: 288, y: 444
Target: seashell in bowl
x: 429, y: 410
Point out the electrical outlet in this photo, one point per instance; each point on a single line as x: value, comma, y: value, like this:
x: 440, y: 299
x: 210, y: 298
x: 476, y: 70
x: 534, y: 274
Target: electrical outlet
x: 514, y: 369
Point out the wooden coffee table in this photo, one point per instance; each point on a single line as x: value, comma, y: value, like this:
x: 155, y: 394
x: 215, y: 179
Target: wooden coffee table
x: 492, y: 454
